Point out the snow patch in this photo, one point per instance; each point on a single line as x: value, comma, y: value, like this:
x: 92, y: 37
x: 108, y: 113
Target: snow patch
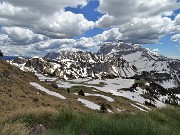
x: 90, y: 104
x: 98, y: 95
x: 52, y: 93
x: 143, y: 106
x: 139, y: 108
x: 168, y: 84
x: 43, y: 77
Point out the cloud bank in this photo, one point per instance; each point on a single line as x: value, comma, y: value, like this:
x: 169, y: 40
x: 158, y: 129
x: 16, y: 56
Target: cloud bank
x: 41, y: 27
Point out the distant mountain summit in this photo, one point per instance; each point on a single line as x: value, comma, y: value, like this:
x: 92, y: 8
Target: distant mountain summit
x: 114, y: 59
x: 118, y: 47
x: 149, y: 65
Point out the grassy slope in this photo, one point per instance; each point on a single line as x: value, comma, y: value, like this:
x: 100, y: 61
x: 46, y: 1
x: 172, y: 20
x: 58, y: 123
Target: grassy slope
x: 67, y: 122
x: 16, y: 92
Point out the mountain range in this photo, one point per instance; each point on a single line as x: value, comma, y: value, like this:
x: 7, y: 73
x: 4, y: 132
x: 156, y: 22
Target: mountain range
x: 114, y: 59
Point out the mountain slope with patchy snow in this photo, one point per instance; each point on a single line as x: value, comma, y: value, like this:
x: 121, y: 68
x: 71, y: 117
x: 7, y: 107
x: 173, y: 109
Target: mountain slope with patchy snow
x: 114, y: 59
x: 149, y: 65
x: 118, y: 66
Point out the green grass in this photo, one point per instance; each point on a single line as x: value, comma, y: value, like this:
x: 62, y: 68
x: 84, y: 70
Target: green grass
x: 141, y: 81
x: 157, y: 122
x: 164, y: 121
x: 78, y: 88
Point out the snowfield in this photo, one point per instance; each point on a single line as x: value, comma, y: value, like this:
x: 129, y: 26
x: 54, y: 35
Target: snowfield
x: 52, y: 93
x: 64, y: 84
x: 89, y: 104
x: 144, y: 64
x: 113, y: 86
x: 44, y: 78
x: 98, y: 95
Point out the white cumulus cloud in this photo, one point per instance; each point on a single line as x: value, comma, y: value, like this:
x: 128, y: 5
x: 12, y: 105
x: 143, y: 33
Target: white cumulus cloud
x: 44, y: 26
x: 47, y: 18
x: 63, y: 25
x: 176, y: 38
x: 139, y: 21
x: 20, y: 36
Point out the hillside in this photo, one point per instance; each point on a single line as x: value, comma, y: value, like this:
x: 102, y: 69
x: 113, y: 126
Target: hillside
x: 21, y: 90
x: 17, y: 93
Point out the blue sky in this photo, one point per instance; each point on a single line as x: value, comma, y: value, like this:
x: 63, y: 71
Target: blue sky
x: 90, y: 13
x: 37, y: 27
x: 164, y: 45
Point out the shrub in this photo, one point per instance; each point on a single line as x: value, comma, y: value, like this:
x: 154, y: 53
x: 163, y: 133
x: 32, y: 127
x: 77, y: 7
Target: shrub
x: 103, y: 108
x: 81, y: 93
x: 1, y: 54
x: 54, y: 85
x: 68, y: 91
x: 149, y: 103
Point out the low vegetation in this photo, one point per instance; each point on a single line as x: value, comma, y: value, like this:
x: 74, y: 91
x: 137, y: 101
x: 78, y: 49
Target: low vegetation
x: 100, y: 84
x: 81, y: 93
x: 139, y: 83
x: 165, y: 121
x: 103, y: 108
x: 1, y: 55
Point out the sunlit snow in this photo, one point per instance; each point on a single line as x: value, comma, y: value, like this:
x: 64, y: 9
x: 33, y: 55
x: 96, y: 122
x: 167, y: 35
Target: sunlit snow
x: 90, y: 104
x: 52, y: 93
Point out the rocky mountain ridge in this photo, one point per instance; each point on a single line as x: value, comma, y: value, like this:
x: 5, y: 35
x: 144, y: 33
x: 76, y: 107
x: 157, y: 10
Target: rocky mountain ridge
x: 114, y: 59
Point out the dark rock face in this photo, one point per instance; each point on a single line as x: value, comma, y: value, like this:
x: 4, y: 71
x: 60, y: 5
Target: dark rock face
x: 52, y: 55
x: 19, y: 60
x: 36, y: 63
